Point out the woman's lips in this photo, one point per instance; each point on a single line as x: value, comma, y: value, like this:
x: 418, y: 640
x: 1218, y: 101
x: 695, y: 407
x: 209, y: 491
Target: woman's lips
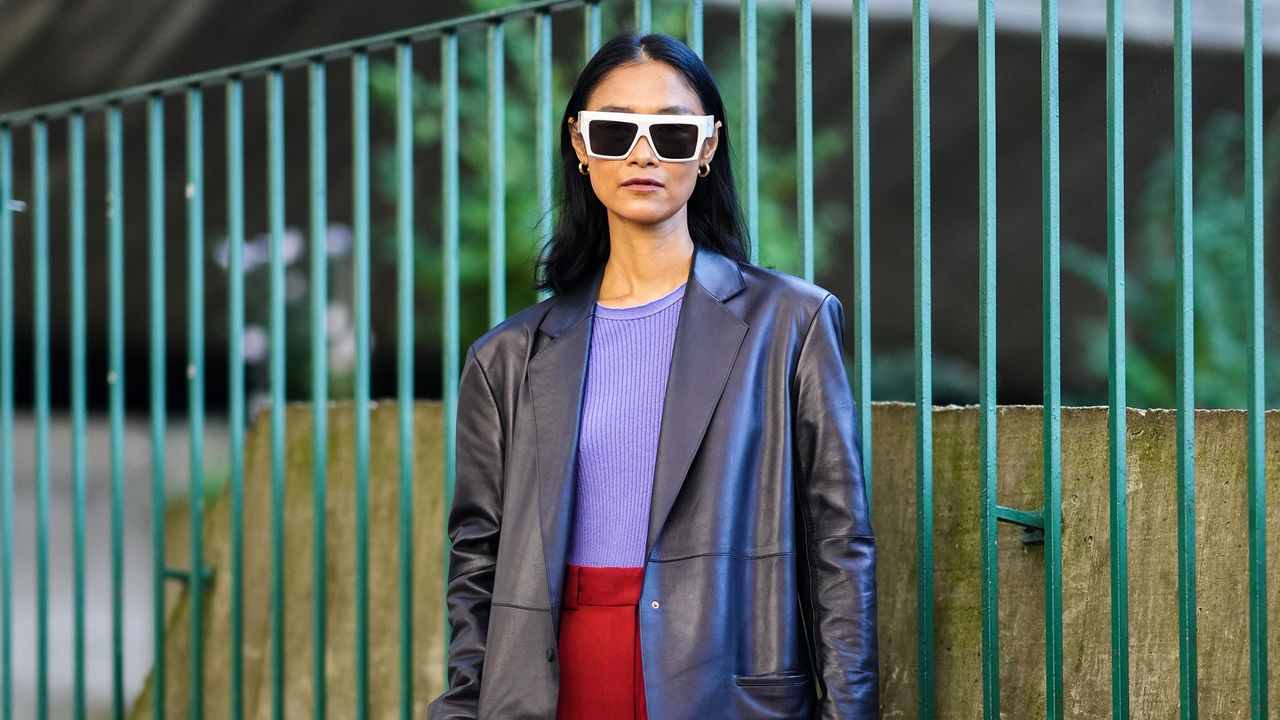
x: 641, y: 181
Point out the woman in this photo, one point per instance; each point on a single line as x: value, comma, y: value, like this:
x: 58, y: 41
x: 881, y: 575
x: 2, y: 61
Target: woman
x: 677, y: 528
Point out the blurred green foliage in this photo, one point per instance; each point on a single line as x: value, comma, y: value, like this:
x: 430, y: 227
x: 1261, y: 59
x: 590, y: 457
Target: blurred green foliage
x: 1221, y: 261
x: 778, y: 241
x: 1220, y: 255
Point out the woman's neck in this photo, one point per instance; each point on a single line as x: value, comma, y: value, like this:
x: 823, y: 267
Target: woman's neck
x: 643, y: 269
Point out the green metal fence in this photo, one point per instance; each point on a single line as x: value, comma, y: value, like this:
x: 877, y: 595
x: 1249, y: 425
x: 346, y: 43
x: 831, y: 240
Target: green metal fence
x: 1042, y: 523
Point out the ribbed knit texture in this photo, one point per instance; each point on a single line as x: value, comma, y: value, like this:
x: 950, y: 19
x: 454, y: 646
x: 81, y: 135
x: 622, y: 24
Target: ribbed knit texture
x: 627, y: 367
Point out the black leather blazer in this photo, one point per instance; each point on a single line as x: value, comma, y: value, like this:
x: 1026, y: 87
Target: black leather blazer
x: 759, y: 595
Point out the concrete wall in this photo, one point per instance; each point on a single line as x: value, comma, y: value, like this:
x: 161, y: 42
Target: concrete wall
x: 384, y: 563
x: 1221, y: 561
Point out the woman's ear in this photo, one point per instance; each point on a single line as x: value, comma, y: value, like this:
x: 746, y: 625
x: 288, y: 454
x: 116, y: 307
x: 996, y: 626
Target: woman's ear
x: 576, y: 137
x: 709, y: 149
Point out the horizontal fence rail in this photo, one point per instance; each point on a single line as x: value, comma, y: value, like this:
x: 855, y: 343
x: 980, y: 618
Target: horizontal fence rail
x: 265, y: 82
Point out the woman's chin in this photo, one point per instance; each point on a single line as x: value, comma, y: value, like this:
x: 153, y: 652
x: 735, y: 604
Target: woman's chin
x: 645, y: 211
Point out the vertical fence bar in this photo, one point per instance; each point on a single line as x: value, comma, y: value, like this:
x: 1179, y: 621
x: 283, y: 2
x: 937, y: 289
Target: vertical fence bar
x: 590, y: 27
x: 115, y: 381
x: 497, y: 178
x: 804, y: 132
x: 319, y: 381
x: 750, y: 132
x: 924, y: 357
x: 40, y: 257
x: 643, y: 15
x: 862, y: 240
x: 1253, y: 184
x: 1184, y: 374
x: 195, y: 382
x: 404, y: 384
x: 694, y: 25
x: 1052, y: 367
x: 449, y: 229
x: 156, y: 239
x: 545, y: 130
x: 360, y: 228
x: 987, y: 328
x: 6, y: 418
x: 235, y: 378
x: 275, y: 221
x: 75, y: 179
x: 1116, y: 418
x: 76, y: 236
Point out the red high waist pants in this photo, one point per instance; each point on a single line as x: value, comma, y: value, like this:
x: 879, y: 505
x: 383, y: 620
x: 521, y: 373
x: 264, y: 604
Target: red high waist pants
x: 600, y: 666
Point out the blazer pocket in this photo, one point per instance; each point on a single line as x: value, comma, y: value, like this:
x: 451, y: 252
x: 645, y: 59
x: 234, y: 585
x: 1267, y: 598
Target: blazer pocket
x: 776, y: 696
x: 778, y: 678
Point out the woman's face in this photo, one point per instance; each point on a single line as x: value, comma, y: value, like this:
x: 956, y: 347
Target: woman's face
x: 645, y: 87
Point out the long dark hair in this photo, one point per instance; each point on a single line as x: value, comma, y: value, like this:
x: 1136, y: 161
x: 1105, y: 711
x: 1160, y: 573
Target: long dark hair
x: 579, y: 244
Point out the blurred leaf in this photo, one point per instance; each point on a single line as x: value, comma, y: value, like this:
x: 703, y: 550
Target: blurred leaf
x: 1220, y: 267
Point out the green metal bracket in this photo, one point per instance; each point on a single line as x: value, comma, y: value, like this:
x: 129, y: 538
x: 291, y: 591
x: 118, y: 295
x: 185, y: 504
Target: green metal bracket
x: 1031, y: 521
x: 183, y: 575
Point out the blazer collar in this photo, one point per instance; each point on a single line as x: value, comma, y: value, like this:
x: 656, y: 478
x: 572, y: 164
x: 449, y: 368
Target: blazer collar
x: 717, y: 273
x: 708, y: 338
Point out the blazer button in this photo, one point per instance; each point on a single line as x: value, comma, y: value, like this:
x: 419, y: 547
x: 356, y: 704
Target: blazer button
x: 655, y: 604
x: 550, y: 654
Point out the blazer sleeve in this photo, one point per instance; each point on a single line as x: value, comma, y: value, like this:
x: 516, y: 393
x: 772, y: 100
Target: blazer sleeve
x: 837, y: 566
x: 475, y: 519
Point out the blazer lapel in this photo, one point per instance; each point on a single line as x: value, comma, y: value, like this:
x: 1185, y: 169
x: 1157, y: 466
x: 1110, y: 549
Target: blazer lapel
x: 557, y: 376
x: 708, y: 338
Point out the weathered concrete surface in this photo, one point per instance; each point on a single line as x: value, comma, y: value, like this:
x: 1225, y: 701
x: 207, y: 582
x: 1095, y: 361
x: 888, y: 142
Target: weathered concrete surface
x: 384, y: 564
x: 1221, y: 561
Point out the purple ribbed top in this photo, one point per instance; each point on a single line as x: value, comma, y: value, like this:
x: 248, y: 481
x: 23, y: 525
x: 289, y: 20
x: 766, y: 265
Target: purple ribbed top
x: 627, y: 367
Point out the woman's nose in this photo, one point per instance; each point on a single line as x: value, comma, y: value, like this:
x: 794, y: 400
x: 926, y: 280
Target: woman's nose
x: 643, y: 151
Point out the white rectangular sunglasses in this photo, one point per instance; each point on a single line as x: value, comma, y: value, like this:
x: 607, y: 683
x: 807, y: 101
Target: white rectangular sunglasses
x: 613, y: 135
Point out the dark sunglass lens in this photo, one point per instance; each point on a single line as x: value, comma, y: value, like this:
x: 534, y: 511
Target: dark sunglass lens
x: 611, y: 137
x: 675, y: 140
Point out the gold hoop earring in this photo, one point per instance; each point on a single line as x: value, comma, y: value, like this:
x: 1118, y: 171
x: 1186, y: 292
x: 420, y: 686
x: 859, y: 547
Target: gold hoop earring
x: 582, y: 168
x: 704, y: 170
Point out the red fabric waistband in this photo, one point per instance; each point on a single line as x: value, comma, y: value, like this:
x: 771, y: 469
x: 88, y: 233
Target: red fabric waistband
x: 586, y: 585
